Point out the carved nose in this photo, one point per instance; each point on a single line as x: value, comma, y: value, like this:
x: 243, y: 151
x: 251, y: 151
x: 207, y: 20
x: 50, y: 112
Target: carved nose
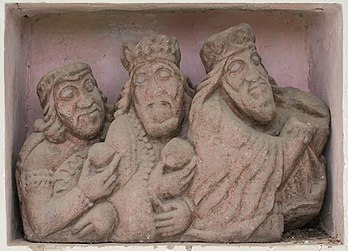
x: 154, y: 89
x: 85, y: 101
x: 252, y: 73
x: 252, y: 77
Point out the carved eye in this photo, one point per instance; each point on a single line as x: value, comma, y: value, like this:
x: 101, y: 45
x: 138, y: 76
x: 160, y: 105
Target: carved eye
x: 255, y: 58
x: 139, y: 78
x: 163, y: 74
x: 88, y: 85
x: 236, y: 66
x: 67, y: 93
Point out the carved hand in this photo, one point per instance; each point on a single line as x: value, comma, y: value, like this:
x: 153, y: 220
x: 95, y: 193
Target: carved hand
x: 175, y: 218
x: 97, y: 224
x: 173, y: 183
x: 298, y: 129
x: 98, y: 185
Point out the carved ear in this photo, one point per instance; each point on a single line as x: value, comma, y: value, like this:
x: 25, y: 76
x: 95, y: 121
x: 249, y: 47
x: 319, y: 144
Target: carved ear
x: 127, y: 57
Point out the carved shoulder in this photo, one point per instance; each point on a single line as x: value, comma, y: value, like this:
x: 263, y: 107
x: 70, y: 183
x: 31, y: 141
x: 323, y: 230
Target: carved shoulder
x: 118, y: 133
x: 209, y: 117
x: 122, y: 139
x: 308, y: 109
x: 35, y: 167
x: 304, y: 103
x: 28, y: 147
x: 42, y: 157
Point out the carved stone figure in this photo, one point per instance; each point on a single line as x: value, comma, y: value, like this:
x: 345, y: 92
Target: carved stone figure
x: 242, y: 165
x: 153, y: 109
x: 258, y: 147
x: 55, y: 180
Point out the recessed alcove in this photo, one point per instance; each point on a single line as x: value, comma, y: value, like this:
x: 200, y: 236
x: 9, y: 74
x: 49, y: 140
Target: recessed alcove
x: 301, y: 46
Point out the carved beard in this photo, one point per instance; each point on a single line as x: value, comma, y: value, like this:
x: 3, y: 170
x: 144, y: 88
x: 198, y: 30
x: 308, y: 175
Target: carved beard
x: 259, y: 102
x: 161, y: 117
x: 91, y: 122
x: 254, y: 100
x: 85, y: 123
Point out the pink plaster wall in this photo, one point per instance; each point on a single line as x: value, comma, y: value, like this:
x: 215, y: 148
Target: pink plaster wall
x: 97, y: 38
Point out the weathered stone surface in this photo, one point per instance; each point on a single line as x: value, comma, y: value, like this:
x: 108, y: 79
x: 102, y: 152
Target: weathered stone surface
x: 243, y: 164
x: 54, y: 177
x: 258, y: 147
x: 73, y: 189
x: 153, y: 109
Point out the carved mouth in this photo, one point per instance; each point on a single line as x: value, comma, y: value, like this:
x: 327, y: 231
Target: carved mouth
x: 90, y: 114
x: 95, y: 109
x: 256, y: 90
x: 163, y: 128
x: 160, y: 103
x: 257, y: 86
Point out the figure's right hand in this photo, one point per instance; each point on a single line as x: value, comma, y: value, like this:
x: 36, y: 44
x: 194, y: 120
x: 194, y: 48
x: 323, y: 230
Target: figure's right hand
x: 97, y: 224
x: 98, y: 185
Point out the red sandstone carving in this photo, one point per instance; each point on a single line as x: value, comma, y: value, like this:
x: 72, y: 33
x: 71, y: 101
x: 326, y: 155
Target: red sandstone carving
x: 258, y: 147
x: 55, y: 183
x: 250, y: 167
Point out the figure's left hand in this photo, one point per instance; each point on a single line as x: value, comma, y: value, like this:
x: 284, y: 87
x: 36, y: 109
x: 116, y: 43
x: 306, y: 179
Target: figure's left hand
x: 297, y: 129
x: 98, y: 223
x: 173, y: 183
x: 175, y: 218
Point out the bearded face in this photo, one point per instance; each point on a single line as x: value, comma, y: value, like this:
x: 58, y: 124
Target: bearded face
x: 158, y: 96
x: 80, y: 107
x: 246, y: 82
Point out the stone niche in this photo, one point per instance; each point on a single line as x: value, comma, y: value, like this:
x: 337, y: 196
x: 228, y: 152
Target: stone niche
x: 300, y: 44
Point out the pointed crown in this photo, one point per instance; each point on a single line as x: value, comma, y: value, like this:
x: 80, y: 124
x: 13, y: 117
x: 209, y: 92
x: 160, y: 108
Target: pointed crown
x: 151, y: 48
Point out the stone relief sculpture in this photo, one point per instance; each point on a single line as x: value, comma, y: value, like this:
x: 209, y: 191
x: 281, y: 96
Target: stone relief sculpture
x: 240, y: 164
x: 152, y: 111
x: 74, y: 189
x: 258, y: 147
x: 55, y: 184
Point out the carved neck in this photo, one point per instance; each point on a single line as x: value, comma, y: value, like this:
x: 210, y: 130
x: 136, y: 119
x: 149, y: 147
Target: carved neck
x: 232, y: 105
x: 145, y: 144
x: 76, y: 141
x: 139, y: 126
